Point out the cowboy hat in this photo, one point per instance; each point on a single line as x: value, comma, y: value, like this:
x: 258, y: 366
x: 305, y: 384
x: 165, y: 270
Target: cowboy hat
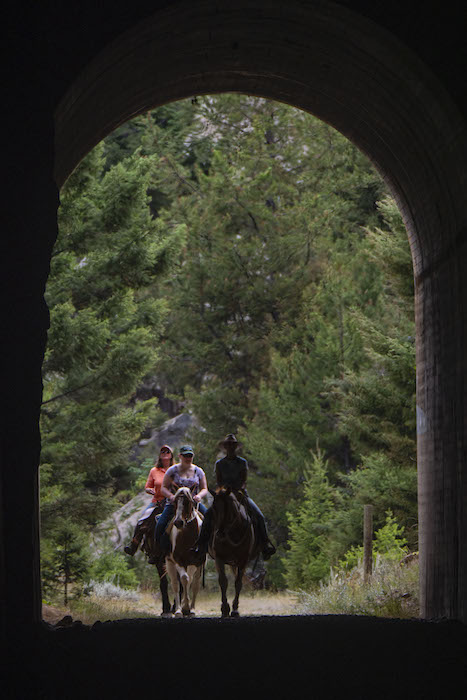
x: 230, y: 438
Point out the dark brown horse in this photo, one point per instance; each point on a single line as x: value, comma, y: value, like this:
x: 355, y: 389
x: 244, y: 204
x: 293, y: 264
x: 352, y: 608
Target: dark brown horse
x: 233, y: 541
x: 156, y: 557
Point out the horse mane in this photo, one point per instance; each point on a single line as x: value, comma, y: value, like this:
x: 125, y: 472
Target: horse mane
x: 227, y: 490
x: 185, y: 491
x: 236, y: 497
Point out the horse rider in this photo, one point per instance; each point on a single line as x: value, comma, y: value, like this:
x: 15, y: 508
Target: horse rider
x: 184, y: 473
x: 153, y: 487
x: 232, y: 471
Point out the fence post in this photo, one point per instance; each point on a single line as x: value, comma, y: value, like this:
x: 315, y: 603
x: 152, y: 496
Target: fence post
x: 367, y: 542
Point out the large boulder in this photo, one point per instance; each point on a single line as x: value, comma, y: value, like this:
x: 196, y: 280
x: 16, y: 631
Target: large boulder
x: 173, y: 432
x: 118, y: 528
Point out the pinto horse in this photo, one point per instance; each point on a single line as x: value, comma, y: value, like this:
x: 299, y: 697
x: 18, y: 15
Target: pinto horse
x: 233, y: 541
x: 183, y: 565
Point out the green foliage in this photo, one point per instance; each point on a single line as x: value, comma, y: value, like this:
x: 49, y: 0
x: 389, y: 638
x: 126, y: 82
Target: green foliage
x: 112, y: 566
x: 106, y: 325
x: 307, y: 561
x: 392, y: 591
x: 349, y: 382
x: 277, y: 187
x: 104, y: 335
x: 384, y: 485
x: 388, y: 542
x: 65, y: 558
x: 246, y: 258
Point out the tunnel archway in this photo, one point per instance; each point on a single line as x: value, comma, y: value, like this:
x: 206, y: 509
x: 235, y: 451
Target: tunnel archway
x: 352, y: 74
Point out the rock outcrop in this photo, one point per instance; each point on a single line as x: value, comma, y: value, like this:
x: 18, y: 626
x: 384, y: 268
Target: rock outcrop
x: 118, y: 528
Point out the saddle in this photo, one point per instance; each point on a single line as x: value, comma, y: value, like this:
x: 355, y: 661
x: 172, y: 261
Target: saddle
x: 148, y: 544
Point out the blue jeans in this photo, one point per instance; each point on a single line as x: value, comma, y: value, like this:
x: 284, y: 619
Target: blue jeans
x: 166, y: 516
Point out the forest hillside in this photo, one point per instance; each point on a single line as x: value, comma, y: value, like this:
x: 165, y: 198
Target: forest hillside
x: 236, y: 261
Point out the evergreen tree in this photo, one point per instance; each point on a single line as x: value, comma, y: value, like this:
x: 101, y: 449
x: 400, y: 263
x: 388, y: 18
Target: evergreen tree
x: 231, y: 248
x: 376, y: 404
x: 106, y: 325
x: 307, y: 561
x: 65, y: 557
x: 276, y: 189
x: 349, y: 382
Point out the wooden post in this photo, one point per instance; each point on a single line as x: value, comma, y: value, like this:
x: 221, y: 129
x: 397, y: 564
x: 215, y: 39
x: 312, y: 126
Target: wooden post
x: 367, y: 542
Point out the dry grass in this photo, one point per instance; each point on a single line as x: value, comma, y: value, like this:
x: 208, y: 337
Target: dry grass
x: 251, y: 603
x: 91, y: 608
x: 392, y: 591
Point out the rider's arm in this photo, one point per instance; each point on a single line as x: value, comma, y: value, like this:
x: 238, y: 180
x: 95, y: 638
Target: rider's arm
x: 149, y: 488
x: 166, y: 486
x: 203, y: 487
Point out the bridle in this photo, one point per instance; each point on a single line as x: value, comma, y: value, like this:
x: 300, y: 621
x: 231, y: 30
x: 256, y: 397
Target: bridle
x: 187, y: 499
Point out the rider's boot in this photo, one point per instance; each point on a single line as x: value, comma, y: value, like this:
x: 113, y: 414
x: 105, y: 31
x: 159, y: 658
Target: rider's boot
x: 140, y: 530
x: 268, y: 550
x: 202, y: 543
x: 132, y: 547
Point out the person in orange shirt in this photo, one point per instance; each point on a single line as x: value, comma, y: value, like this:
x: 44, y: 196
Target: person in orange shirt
x: 153, y: 487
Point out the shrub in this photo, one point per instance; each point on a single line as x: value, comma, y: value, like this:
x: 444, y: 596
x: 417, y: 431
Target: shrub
x: 110, y: 590
x: 388, y: 542
x: 392, y: 591
x: 112, y: 567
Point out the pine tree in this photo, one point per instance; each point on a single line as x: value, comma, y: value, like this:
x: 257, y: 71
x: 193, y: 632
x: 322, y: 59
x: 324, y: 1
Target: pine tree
x: 106, y: 325
x: 65, y: 557
x: 348, y: 382
x: 307, y: 561
x: 376, y: 404
x: 277, y: 186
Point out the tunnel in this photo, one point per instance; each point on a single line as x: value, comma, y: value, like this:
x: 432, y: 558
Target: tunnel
x: 383, y: 79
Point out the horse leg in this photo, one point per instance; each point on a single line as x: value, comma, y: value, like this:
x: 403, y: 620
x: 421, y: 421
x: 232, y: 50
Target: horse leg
x: 172, y: 571
x: 185, y: 581
x: 238, y: 588
x: 195, y: 581
x: 225, y: 607
x: 164, y: 588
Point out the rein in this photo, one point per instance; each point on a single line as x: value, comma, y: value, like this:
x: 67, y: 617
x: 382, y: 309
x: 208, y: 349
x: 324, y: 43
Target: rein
x: 238, y: 517
x: 194, y: 511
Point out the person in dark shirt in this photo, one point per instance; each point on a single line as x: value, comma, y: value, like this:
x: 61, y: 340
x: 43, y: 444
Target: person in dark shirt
x: 232, y: 471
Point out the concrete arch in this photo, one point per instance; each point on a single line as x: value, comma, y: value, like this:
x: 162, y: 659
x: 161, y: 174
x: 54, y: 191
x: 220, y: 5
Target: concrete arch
x: 354, y: 75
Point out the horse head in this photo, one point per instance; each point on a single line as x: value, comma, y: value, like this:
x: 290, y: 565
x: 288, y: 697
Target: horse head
x: 229, y: 505
x: 184, y: 506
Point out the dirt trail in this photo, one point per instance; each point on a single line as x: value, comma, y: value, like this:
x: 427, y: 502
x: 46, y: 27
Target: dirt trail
x: 208, y: 605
